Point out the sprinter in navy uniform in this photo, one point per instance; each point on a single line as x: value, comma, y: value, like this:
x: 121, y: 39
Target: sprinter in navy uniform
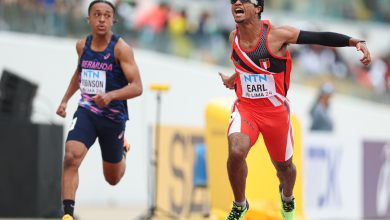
x: 107, y: 76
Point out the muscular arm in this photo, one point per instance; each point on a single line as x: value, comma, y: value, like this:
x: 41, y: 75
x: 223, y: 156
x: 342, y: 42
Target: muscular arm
x: 74, y: 82
x: 290, y: 35
x: 228, y: 81
x: 125, y: 56
x: 231, y: 40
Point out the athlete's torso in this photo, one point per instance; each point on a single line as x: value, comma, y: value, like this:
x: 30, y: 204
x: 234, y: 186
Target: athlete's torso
x: 262, y: 78
x: 99, y: 73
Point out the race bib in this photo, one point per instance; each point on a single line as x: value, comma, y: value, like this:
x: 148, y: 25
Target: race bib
x: 257, y: 86
x: 93, y: 81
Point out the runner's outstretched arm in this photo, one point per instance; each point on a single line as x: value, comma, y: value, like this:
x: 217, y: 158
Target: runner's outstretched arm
x: 125, y: 57
x: 74, y: 82
x: 291, y: 35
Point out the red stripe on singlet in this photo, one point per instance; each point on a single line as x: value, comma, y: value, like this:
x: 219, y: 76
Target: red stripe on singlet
x: 248, y: 63
x: 258, y: 42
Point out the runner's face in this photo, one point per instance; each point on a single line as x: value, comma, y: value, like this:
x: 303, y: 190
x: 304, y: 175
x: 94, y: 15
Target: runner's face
x: 101, y: 18
x: 243, y: 11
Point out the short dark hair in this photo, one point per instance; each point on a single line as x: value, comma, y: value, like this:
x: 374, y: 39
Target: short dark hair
x: 260, y: 3
x: 102, y: 1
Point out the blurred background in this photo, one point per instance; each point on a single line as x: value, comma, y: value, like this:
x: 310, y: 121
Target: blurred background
x: 342, y: 109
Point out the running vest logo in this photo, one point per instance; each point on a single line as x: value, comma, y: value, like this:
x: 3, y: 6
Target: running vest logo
x: 107, y: 56
x: 236, y: 62
x: 96, y: 65
x: 93, y: 81
x: 121, y: 135
x: 249, y: 124
x: 256, y: 86
x: 264, y: 63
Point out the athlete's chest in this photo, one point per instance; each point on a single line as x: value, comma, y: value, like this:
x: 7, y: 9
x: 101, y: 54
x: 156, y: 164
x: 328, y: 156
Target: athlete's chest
x: 248, y: 45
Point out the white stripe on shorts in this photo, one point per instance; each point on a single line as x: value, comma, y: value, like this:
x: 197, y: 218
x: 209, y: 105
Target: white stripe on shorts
x: 275, y: 101
x: 235, y: 123
x: 289, y: 146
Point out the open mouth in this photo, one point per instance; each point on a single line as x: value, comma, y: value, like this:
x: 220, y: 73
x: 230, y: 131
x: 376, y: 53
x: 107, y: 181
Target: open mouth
x: 102, y: 27
x: 239, y: 11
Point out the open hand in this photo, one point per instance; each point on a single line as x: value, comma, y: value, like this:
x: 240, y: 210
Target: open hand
x: 228, y: 82
x: 367, y: 57
x: 102, y: 100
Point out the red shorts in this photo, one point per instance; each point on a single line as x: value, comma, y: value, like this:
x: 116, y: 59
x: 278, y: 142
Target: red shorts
x: 273, y: 122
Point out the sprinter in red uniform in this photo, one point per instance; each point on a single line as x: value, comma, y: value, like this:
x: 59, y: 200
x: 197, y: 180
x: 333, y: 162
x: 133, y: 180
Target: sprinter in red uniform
x: 261, y: 82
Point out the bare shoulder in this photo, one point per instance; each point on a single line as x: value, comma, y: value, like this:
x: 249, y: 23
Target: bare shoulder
x: 283, y: 30
x: 233, y: 33
x: 284, y: 34
x: 80, y: 46
x: 231, y: 36
x: 122, y: 48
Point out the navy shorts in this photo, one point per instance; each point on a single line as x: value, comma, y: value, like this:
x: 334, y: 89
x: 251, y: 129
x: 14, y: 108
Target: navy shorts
x: 87, y: 126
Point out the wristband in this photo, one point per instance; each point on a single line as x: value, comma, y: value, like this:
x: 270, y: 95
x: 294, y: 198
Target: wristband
x: 361, y: 41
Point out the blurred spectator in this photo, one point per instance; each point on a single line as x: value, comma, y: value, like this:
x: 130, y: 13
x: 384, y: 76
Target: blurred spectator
x: 224, y: 17
x: 377, y: 75
x: 204, y: 36
x: 177, y: 24
x: 47, y: 3
x: 126, y: 10
x: 177, y: 29
x: 317, y: 60
x: 338, y: 66
x: 152, y: 21
x: 319, y: 113
x: 362, y: 76
x: 203, y: 30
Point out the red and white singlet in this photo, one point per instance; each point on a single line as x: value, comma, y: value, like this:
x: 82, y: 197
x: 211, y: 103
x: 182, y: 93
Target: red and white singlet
x: 261, y: 85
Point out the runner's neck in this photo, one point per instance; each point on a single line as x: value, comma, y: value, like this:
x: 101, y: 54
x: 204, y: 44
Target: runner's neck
x: 100, y: 43
x: 249, y: 32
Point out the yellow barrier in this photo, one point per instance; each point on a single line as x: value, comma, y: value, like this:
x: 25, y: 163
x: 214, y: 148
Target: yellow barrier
x: 262, y: 188
x: 175, y: 166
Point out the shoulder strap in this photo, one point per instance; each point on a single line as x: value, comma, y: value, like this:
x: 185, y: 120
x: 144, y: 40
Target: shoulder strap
x: 113, y: 42
x: 266, y: 23
x: 88, y: 42
x: 236, y: 36
x: 115, y: 38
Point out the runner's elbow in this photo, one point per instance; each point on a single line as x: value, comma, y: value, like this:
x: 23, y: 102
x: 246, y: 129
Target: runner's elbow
x: 140, y: 90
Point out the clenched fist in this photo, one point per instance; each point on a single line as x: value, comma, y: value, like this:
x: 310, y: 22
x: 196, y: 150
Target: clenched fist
x: 103, y: 99
x: 61, y: 111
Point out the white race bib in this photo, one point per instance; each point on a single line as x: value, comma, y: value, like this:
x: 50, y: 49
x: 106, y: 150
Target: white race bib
x: 93, y: 81
x: 257, y: 86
